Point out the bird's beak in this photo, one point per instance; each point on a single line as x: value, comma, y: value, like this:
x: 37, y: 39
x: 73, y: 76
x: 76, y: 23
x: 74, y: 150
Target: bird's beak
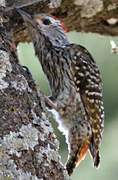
x: 27, y: 17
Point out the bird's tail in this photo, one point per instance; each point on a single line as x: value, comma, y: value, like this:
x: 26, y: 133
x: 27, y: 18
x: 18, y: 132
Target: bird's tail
x: 95, y: 154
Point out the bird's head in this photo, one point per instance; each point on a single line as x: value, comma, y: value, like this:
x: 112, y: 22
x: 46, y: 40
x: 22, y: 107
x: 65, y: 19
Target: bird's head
x: 45, y: 25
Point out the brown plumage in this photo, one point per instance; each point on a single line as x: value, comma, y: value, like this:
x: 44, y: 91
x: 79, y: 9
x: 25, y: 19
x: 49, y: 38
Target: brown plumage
x: 75, y: 85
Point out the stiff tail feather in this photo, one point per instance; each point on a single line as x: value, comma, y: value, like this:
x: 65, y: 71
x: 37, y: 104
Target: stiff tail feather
x: 95, y: 155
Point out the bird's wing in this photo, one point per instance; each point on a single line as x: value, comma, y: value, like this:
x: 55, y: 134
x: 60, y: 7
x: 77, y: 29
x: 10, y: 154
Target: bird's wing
x: 88, y: 83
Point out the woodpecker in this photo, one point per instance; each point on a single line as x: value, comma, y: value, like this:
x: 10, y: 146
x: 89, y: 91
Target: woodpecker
x: 76, y: 87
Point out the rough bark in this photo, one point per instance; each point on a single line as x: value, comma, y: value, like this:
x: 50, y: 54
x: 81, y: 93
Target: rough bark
x: 28, y: 145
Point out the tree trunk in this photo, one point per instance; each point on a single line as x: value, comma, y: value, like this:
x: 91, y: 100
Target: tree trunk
x: 28, y: 145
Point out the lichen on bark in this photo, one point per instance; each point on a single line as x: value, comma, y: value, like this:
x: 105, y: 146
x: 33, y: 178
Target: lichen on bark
x: 28, y: 145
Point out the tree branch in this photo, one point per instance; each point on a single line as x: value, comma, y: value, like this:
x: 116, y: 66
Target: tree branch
x: 98, y: 16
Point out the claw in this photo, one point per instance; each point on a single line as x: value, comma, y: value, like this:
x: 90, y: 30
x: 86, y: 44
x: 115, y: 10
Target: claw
x: 27, y: 70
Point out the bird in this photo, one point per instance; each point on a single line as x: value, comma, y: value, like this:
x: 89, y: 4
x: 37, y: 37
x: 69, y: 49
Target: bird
x: 76, y: 87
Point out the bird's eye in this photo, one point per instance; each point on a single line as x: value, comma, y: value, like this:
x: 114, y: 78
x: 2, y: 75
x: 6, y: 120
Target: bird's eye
x: 46, y: 21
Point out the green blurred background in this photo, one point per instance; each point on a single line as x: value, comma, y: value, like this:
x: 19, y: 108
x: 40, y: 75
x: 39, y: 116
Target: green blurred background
x: 100, y: 48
